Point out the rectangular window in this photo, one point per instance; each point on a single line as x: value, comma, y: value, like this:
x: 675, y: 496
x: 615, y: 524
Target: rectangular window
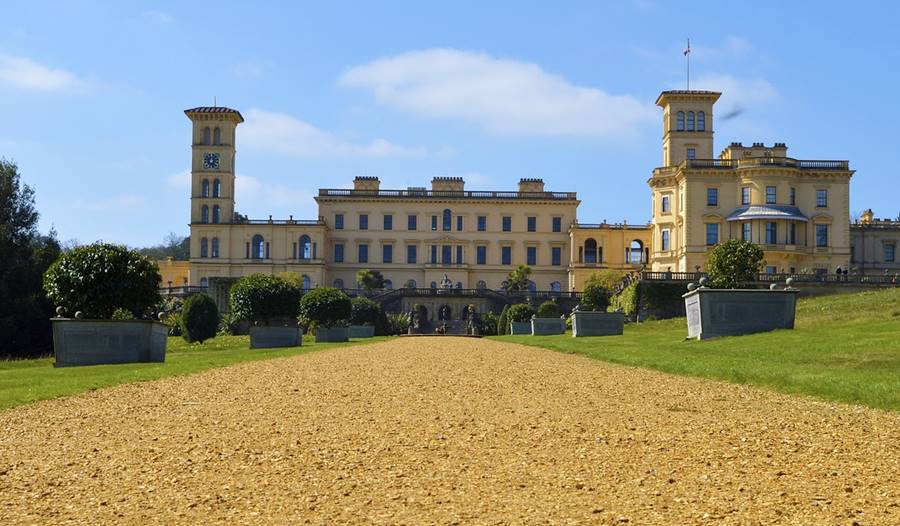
x: 771, y: 233
x: 446, y: 252
x: 745, y: 195
x: 481, y: 255
x: 338, y: 252
x: 791, y: 234
x: 821, y: 235
x: 433, y: 254
x: 821, y: 198
x: 556, y: 256
x: 532, y: 224
x: 433, y: 223
x: 691, y: 153
x: 362, y: 253
x: 889, y: 249
x: 506, y: 255
x: 387, y: 253
x: 459, y: 254
x: 771, y: 195
x: 363, y: 221
x: 557, y: 224
x: 793, y: 195
x: 665, y: 204
x: 411, y: 222
x: 712, y: 197
x: 411, y: 254
x: 459, y: 223
x: 531, y: 255
x: 746, y: 232
x: 712, y: 233
x: 665, y: 240
x: 482, y: 223
x: 338, y: 221
x: 507, y: 223
x: 771, y: 270
x: 388, y: 222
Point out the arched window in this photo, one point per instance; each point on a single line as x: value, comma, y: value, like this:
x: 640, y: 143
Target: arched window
x: 636, y: 252
x: 448, y: 219
x: 701, y: 121
x: 204, y: 282
x: 204, y: 188
x: 411, y: 284
x: 217, y: 188
x: 590, y: 251
x: 305, y: 247
x: 216, y: 211
x: 388, y: 284
x: 204, y: 214
x: 338, y: 283
x: 258, y: 248
x: 481, y: 285
x: 679, y: 121
x: 205, y: 135
x: 204, y: 248
x: 690, y: 121
x: 217, y: 136
x: 532, y: 286
x: 307, y: 283
x: 433, y: 285
x: 556, y: 286
x: 215, y: 247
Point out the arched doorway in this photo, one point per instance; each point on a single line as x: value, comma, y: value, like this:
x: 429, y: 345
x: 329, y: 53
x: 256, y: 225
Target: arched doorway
x: 636, y: 252
x: 445, y: 313
x: 590, y: 250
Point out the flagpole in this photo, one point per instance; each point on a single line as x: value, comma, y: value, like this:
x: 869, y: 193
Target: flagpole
x: 688, y: 53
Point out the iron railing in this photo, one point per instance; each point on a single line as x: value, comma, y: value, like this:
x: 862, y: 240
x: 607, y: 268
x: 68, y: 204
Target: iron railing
x: 446, y: 194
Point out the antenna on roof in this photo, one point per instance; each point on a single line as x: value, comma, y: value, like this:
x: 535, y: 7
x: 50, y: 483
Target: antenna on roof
x: 214, y: 102
x: 687, y: 54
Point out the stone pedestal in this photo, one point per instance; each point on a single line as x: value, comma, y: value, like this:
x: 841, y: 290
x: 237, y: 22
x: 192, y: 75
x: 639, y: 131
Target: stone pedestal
x: 519, y: 327
x: 332, y: 334
x: 547, y: 326
x: 95, y: 342
x: 362, y: 331
x: 268, y: 337
x: 590, y: 323
x: 729, y: 312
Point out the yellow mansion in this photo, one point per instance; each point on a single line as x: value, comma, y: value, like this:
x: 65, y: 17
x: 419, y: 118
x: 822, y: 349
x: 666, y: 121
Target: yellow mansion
x: 414, y: 236
x: 797, y: 211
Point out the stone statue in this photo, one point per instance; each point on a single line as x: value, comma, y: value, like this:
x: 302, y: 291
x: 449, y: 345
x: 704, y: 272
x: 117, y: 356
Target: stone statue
x: 446, y: 283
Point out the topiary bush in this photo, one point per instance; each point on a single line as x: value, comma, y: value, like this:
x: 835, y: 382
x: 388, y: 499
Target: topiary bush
x: 548, y: 309
x: 364, y: 311
x: 733, y: 262
x: 199, y: 318
x: 520, y: 312
x: 325, y: 307
x: 263, y: 298
x: 101, y: 278
x: 594, y: 297
x: 489, y: 323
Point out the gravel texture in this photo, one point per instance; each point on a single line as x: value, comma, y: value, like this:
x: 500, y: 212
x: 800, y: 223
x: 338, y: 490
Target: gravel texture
x: 445, y: 431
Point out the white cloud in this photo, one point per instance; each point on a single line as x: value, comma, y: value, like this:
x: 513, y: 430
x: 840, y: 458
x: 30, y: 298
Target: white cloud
x: 24, y: 73
x: 283, y: 134
x: 737, y: 93
x: 159, y: 17
x: 252, y: 194
x: 505, y: 97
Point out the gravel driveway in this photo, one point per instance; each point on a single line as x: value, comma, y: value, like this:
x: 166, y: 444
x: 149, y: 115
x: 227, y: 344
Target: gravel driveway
x: 445, y: 431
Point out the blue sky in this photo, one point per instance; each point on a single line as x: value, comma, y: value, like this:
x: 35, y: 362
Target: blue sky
x: 92, y: 94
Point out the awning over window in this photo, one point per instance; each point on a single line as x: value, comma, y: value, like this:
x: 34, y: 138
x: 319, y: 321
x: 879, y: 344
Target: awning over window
x: 787, y: 212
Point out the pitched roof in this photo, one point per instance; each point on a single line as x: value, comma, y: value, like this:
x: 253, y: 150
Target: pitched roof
x: 214, y: 109
x: 746, y: 213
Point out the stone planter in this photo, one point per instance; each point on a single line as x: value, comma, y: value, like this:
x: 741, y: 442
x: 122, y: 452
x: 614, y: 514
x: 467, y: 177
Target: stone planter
x: 591, y: 323
x: 519, y: 327
x: 268, y: 337
x: 731, y: 312
x: 547, y: 326
x: 95, y: 342
x: 332, y: 334
x: 362, y: 331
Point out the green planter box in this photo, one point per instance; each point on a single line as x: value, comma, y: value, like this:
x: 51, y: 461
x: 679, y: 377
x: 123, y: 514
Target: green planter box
x: 732, y: 312
x: 547, y: 326
x: 519, y: 327
x: 362, y: 331
x: 332, y: 334
x: 590, y: 323
x: 268, y: 337
x: 96, y: 342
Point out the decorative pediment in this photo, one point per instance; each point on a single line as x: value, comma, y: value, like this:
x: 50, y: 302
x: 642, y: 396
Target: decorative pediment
x: 822, y: 217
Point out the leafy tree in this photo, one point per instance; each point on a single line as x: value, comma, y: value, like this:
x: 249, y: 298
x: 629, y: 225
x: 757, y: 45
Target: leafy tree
x: 370, y: 279
x: 325, y: 307
x: 594, y: 297
x: 518, y: 279
x: 24, y: 257
x: 174, y: 245
x: 520, y: 312
x: 548, y: 309
x: 364, y: 311
x: 265, y: 298
x: 733, y: 262
x: 97, y: 279
x: 199, y: 318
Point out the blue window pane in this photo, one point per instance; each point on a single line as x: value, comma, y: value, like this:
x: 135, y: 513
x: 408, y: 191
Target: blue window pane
x: 459, y: 223
x: 507, y: 223
x: 447, y: 220
x: 411, y: 222
x: 531, y: 255
x: 821, y: 235
x: 363, y: 221
x: 411, y: 253
x: 339, y: 253
x: 557, y: 224
x: 771, y: 233
x: 459, y: 254
x: 445, y: 254
x: 712, y: 197
x: 821, y: 198
x: 388, y: 222
x: 481, y: 255
x: 712, y: 233
x: 482, y: 223
x: 387, y: 253
x: 434, y: 253
x: 363, y: 255
x: 506, y: 255
x: 338, y: 221
x: 556, y: 256
x: 532, y: 224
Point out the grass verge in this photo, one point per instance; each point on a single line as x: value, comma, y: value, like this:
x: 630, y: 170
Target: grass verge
x: 26, y: 381
x: 845, y: 348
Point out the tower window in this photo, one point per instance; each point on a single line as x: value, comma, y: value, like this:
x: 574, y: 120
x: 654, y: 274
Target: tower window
x: 205, y: 139
x: 690, y: 124
x: 258, y: 247
x: 215, y: 247
x: 216, y: 210
x: 217, y: 136
x: 204, y: 188
x: 204, y: 248
x: 204, y: 214
x: 701, y: 121
x: 217, y: 188
x: 679, y: 121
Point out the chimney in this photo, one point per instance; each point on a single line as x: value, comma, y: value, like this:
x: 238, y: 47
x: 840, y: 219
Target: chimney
x: 448, y: 184
x: 531, y: 186
x: 365, y: 182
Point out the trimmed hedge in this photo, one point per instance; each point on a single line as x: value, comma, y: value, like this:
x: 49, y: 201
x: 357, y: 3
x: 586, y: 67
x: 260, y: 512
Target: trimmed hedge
x: 325, y: 307
x: 199, y: 318
x: 594, y: 297
x: 548, y: 309
x: 264, y: 298
x: 364, y: 311
x: 520, y: 312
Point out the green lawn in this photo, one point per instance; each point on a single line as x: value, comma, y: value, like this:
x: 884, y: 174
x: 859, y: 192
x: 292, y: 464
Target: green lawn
x: 845, y: 348
x: 25, y: 381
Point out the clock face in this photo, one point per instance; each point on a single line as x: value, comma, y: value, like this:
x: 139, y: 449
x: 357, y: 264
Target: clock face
x: 211, y: 161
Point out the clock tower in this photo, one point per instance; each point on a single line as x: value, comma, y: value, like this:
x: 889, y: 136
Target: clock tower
x: 212, y: 164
